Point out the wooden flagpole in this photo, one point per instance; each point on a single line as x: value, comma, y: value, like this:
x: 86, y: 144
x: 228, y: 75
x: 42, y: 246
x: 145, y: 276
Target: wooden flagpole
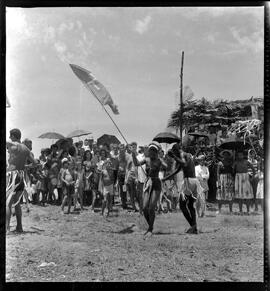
x: 107, y: 113
x: 181, y: 98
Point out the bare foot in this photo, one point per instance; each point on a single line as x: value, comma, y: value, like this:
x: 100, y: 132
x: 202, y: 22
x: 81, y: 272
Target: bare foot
x: 19, y: 229
x: 147, y: 235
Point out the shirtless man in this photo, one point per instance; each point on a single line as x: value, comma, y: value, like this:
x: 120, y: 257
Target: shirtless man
x: 18, y: 155
x: 152, y: 187
x: 190, y: 188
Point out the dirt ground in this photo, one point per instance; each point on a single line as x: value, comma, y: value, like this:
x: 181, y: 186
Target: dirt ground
x: 87, y: 247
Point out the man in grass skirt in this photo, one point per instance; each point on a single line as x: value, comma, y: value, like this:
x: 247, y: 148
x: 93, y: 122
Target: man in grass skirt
x: 19, y: 154
x: 190, y: 189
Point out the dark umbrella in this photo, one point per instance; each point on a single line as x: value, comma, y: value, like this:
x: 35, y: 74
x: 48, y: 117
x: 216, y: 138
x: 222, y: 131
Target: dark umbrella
x: 166, y: 137
x: 64, y: 143
x: 78, y: 132
x: 234, y: 143
x: 107, y: 139
x: 51, y: 135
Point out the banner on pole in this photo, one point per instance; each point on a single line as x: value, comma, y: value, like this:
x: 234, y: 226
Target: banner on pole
x: 95, y: 87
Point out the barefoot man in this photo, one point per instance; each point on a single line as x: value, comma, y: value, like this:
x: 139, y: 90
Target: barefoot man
x: 18, y: 156
x: 152, y: 186
x: 191, y: 188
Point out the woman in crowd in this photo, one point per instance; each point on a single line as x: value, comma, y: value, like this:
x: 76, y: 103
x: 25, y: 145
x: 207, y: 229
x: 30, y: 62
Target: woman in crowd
x: 260, y: 187
x: 253, y: 179
x: 243, y: 188
x: 225, y: 191
x: 152, y: 186
x: 87, y: 158
x: 202, y: 174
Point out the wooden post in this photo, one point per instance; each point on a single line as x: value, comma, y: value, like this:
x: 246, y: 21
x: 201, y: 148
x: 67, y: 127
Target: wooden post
x: 181, y: 98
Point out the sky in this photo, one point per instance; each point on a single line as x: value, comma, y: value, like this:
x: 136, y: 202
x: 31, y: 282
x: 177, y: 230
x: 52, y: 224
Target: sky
x: 136, y: 54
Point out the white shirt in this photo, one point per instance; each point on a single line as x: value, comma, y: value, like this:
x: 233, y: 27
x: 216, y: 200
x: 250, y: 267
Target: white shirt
x: 202, y: 172
x: 86, y: 148
x: 141, y: 174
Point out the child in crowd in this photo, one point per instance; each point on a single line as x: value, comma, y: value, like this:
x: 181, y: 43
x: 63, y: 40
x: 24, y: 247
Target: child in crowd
x: 87, y: 183
x: 53, y: 175
x: 79, y: 186
x: 68, y: 179
x: 44, y: 183
x: 107, y: 177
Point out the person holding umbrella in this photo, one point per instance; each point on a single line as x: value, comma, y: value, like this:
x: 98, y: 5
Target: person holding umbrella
x: 243, y: 187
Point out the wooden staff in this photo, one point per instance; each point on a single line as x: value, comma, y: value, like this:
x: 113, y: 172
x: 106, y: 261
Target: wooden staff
x: 181, y: 97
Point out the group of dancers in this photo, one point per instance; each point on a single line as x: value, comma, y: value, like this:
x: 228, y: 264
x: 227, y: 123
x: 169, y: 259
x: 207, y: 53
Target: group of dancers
x: 190, y: 190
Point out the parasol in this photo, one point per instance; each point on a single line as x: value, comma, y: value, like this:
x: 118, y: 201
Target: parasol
x: 51, y: 135
x: 166, y: 137
x: 234, y: 143
x: 107, y: 139
x: 78, y: 133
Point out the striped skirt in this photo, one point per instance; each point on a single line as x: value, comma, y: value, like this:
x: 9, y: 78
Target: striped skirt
x: 15, y: 185
x: 243, y: 188
x: 225, y: 191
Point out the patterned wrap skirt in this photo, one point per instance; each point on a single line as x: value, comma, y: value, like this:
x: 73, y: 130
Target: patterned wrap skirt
x: 225, y: 191
x: 15, y: 185
x: 243, y: 187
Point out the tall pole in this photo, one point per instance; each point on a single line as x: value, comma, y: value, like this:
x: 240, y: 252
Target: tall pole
x: 181, y: 98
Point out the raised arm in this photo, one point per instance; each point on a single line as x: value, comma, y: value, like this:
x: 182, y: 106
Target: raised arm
x: 136, y: 162
x: 172, y: 174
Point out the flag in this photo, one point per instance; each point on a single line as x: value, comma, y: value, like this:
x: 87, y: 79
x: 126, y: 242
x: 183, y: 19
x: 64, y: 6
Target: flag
x: 95, y: 87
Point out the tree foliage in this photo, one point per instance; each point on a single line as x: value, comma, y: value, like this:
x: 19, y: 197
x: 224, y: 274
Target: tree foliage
x: 203, y: 111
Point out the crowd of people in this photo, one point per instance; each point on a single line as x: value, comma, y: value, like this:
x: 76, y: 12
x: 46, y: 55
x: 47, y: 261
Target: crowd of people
x: 145, y: 178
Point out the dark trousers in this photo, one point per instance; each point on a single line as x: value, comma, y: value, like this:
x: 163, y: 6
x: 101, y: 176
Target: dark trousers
x: 188, y: 209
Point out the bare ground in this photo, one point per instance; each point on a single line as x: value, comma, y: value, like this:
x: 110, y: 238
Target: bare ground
x: 86, y: 247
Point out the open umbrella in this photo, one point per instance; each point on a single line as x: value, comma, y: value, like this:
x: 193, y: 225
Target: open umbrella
x: 107, y: 139
x: 166, y: 137
x: 79, y: 132
x: 51, y: 135
x: 234, y: 143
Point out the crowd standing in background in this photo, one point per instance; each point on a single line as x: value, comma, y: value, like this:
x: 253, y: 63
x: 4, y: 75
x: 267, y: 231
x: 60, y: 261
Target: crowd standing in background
x: 143, y: 179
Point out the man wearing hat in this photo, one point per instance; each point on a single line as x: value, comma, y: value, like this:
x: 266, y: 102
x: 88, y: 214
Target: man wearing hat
x: 18, y: 156
x: 152, y: 186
